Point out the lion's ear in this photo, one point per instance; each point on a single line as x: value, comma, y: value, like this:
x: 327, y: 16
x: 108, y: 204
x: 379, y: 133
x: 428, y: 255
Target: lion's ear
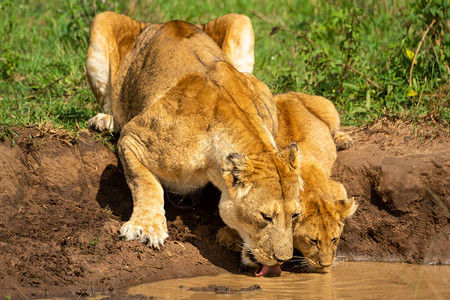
x: 292, y: 155
x: 346, y: 207
x: 237, y: 171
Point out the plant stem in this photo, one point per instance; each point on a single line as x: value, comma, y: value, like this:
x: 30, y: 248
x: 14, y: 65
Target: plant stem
x: 267, y: 20
x: 417, y: 51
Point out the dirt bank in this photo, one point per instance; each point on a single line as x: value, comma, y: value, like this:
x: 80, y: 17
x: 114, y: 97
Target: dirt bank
x: 401, y: 181
x: 62, y: 205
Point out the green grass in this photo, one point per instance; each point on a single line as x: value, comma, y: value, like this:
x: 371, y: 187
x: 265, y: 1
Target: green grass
x: 43, y: 47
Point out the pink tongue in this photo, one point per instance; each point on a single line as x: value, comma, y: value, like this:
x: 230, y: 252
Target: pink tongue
x: 268, y: 271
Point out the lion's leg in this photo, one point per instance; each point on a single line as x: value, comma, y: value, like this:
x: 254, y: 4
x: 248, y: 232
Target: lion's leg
x: 342, y: 140
x: 148, y: 221
x: 111, y: 37
x: 235, y: 36
x: 98, y: 69
x: 103, y: 122
x: 229, y: 238
x: 325, y: 110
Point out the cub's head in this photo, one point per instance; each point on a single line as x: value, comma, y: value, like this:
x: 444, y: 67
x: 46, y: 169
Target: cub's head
x: 260, y: 203
x: 324, y: 207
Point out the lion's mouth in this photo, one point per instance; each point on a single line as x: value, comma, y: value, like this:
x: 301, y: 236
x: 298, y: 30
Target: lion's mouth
x: 300, y: 263
x: 263, y: 270
x: 268, y: 271
x: 252, y: 257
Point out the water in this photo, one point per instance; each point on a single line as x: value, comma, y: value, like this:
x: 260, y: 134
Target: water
x: 347, y: 280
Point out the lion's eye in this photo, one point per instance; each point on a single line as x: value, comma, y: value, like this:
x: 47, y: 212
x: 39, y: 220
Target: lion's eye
x: 314, y: 242
x: 334, y: 240
x: 267, y: 217
x: 295, y: 216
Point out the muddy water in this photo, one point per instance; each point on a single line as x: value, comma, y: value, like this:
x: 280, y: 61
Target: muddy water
x: 347, y: 280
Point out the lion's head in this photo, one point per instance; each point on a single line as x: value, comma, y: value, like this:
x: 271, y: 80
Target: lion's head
x: 317, y: 231
x: 262, y: 201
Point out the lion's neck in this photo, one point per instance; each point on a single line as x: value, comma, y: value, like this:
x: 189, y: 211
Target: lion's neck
x: 316, y: 195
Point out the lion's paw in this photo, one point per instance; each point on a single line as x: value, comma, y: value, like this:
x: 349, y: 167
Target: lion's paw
x: 103, y: 122
x: 342, y: 140
x: 229, y: 238
x: 151, y: 233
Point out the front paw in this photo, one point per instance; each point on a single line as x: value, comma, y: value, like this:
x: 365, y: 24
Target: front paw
x: 342, y: 140
x: 147, y: 231
x: 103, y: 122
x: 229, y: 238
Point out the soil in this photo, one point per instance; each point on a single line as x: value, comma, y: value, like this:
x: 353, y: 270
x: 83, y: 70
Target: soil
x: 62, y: 204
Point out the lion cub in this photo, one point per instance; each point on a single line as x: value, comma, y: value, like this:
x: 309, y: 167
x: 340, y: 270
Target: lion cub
x: 313, y: 123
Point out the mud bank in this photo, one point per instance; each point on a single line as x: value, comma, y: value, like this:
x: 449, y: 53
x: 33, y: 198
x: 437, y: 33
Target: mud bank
x: 402, y: 183
x: 62, y: 204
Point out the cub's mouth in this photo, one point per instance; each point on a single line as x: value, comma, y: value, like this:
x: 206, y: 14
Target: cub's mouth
x: 300, y: 264
x: 263, y: 270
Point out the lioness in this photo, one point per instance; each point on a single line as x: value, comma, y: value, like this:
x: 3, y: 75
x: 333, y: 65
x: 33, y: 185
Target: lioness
x: 312, y: 122
x: 187, y: 117
x: 113, y: 35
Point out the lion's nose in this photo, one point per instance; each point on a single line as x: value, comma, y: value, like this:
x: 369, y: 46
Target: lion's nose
x: 325, y: 260
x: 325, y: 264
x: 282, y: 259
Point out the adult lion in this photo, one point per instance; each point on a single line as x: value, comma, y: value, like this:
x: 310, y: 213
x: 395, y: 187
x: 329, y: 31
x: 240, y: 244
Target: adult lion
x: 113, y: 35
x: 187, y: 117
x: 313, y: 123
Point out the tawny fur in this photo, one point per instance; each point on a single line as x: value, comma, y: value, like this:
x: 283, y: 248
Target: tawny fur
x: 233, y: 33
x: 112, y: 36
x: 187, y: 117
x: 313, y: 123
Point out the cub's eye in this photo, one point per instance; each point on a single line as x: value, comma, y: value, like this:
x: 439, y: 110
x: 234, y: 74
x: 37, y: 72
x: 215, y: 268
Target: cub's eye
x: 295, y: 216
x: 314, y: 242
x: 334, y: 241
x: 267, y: 217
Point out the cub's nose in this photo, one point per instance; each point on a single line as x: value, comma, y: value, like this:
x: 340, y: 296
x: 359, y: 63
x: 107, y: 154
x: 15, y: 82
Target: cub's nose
x: 325, y: 264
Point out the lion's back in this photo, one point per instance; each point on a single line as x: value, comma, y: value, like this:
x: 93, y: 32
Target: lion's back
x: 307, y: 120
x: 161, y: 56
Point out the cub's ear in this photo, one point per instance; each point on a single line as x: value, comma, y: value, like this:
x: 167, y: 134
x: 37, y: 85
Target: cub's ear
x: 237, y: 171
x: 346, y: 207
x: 292, y: 155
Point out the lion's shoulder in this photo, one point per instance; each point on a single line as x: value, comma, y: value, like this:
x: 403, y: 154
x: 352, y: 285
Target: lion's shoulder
x: 308, y: 120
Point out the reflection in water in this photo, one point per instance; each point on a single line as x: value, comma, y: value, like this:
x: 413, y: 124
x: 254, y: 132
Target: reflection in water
x: 347, y: 280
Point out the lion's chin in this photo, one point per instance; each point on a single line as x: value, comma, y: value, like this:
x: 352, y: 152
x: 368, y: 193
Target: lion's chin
x: 262, y: 270
x: 300, y: 263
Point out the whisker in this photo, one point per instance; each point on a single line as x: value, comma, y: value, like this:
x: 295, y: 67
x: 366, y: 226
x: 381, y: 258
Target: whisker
x: 239, y: 245
x: 299, y: 257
